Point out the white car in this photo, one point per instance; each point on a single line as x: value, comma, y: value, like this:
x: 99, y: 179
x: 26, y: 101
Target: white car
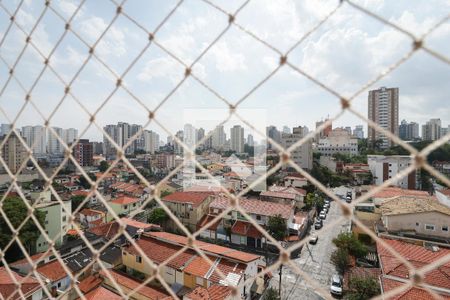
x: 336, y: 285
x: 313, y: 239
x: 322, y: 215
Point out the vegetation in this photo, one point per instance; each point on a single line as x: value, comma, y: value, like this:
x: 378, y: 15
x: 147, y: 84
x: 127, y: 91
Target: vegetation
x: 158, y: 216
x: 76, y: 202
x: 363, y: 288
x: 165, y: 193
x: 84, y: 182
x: 271, y: 294
x: 16, y: 211
x: 351, y: 244
x: 314, y: 201
x: 276, y: 226
x: 329, y: 178
x: 340, y: 259
x: 103, y: 166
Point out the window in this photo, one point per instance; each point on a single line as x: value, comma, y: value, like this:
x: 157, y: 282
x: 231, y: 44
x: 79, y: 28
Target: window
x: 258, y: 217
x: 125, y: 207
x: 429, y: 227
x: 64, y: 218
x: 444, y: 228
x: 59, y: 284
x: 138, y: 259
x: 417, y: 224
x: 199, y: 280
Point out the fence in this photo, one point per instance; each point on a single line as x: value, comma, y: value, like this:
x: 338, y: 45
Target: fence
x: 417, y: 43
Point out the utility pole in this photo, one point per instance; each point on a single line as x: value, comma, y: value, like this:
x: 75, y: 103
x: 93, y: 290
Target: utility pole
x: 279, y: 284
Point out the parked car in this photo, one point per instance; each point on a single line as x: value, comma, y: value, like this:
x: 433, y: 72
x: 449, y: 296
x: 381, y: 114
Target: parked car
x: 326, y: 206
x: 322, y: 215
x: 313, y: 239
x: 336, y: 285
x: 348, y: 199
x: 318, y: 224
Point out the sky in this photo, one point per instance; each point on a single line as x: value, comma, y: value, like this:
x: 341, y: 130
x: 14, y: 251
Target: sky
x: 346, y: 52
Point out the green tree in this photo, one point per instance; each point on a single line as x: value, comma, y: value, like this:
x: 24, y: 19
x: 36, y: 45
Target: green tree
x: 351, y: 244
x: 363, y: 288
x: 340, y: 259
x: 158, y: 216
x: 271, y: 294
x: 313, y: 200
x: 165, y: 193
x: 16, y: 211
x: 276, y: 226
x: 76, y: 201
x: 103, y: 166
x: 84, y: 182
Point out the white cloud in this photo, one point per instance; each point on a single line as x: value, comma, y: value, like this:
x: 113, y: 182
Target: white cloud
x: 226, y: 60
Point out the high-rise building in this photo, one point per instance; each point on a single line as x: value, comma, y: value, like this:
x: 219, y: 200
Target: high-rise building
x: 286, y: 129
x: 324, y: 132
x: 113, y: 132
x: 190, y: 136
x: 302, y: 155
x: 237, y: 138
x: 348, y: 129
x: 177, y: 148
x: 13, y: 152
x: 273, y: 133
x: 70, y: 135
x: 445, y: 130
x: 4, y: 129
x: 431, y: 131
x: 54, y: 145
x: 408, y: 131
x: 122, y: 134
x: 83, y: 153
x: 36, y: 138
x: 200, y: 136
x: 218, y: 138
x: 97, y: 147
x: 338, y: 141
x: 138, y: 138
x: 358, y: 132
x: 250, y: 140
x: 383, y: 110
x: 151, y: 141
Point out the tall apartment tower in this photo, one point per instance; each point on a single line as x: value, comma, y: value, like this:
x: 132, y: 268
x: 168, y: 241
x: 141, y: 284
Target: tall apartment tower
x: 431, y: 131
x: 383, y: 110
x: 83, y: 153
x: 36, y: 138
x: 13, y: 152
x: 408, y: 131
x: 303, y: 154
x: 237, y: 138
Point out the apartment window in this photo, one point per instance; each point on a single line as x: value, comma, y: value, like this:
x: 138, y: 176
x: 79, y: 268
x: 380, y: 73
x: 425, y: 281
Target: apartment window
x: 429, y: 227
x: 125, y: 207
x: 138, y: 259
x: 64, y: 218
x: 445, y: 228
x: 199, y: 280
x: 258, y: 217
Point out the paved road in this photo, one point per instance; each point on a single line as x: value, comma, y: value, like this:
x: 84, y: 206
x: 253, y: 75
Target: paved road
x: 315, y: 262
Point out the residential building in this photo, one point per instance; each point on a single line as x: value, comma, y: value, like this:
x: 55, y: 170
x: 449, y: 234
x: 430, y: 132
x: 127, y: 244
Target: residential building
x: 165, y: 161
x: 395, y: 273
x: 443, y: 196
x: 218, y: 138
x: 325, y: 131
x: 338, y: 141
x: 54, y: 145
x: 54, y: 274
x: 442, y: 166
x: 30, y: 287
x: 177, y: 148
x: 358, y: 132
x: 97, y: 148
x: 188, y: 269
x: 83, y: 153
x: 408, y: 131
x: 4, y: 129
x: 284, y: 195
x: 124, y: 206
x: 36, y: 138
x: 56, y: 222
x: 418, y: 217
x: 151, y: 141
x: 383, y: 109
x: 286, y: 129
x: 91, y: 218
x: 385, y: 167
x: 13, y: 153
x: 189, y: 207
x: 296, y: 181
x: 273, y: 133
x: 237, y: 138
x: 190, y: 136
x: 250, y: 140
x: 301, y: 155
x: 431, y: 131
x: 108, y: 149
x: 70, y: 135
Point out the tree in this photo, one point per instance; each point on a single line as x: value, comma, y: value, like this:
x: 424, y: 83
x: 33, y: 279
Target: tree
x: 103, y: 166
x: 363, y: 288
x: 83, y: 181
x: 276, y: 226
x: 158, y: 216
x: 76, y: 201
x: 314, y: 201
x: 340, y: 259
x: 16, y: 211
x: 165, y: 193
x: 271, y: 294
x: 351, y: 244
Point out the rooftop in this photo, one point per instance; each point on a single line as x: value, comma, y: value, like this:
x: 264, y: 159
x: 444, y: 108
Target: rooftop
x: 52, y: 270
x: 410, y: 293
x: 194, y: 198
x: 391, y: 192
x: 412, y: 205
x: 91, y: 212
x: 8, y: 289
x: 257, y: 207
x: 214, y: 292
x: 125, y: 200
x: 102, y: 293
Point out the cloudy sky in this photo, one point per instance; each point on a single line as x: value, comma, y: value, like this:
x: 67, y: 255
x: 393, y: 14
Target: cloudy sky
x: 349, y: 50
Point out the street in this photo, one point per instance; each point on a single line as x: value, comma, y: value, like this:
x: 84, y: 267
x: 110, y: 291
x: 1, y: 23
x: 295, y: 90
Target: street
x: 316, y: 261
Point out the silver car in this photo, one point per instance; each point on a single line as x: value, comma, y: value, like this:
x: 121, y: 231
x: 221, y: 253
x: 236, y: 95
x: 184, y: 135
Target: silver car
x: 336, y: 285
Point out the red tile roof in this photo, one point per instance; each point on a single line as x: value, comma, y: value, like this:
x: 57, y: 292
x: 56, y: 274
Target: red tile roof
x: 80, y: 193
x: 90, y: 283
x: 415, y: 293
x: 124, y: 200
x: 245, y: 229
x: 205, y: 220
x: 419, y: 257
x: 194, y: 198
x: 102, y: 293
x: 131, y: 283
x: 8, y: 289
x: 159, y: 251
x: 137, y: 224
x: 214, y: 292
x: 91, y: 212
x: 34, y: 258
x: 391, y: 192
x: 206, y: 247
x: 257, y: 207
x: 227, y: 267
x: 52, y: 270
x: 107, y: 230
x: 199, y: 266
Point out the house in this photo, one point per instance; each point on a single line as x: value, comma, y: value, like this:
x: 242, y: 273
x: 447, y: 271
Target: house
x: 258, y: 210
x: 214, y: 292
x: 22, y: 266
x: 188, y: 269
x: 84, y: 193
x: 296, y: 181
x: 129, y: 189
x: 30, y: 287
x: 90, y: 217
x: 124, y: 206
x: 54, y: 273
x: 419, y: 217
x: 394, y: 272
x: 284, y: 195
x: 189, y: 207
x: 385, y: 167
x: 360, y: 172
